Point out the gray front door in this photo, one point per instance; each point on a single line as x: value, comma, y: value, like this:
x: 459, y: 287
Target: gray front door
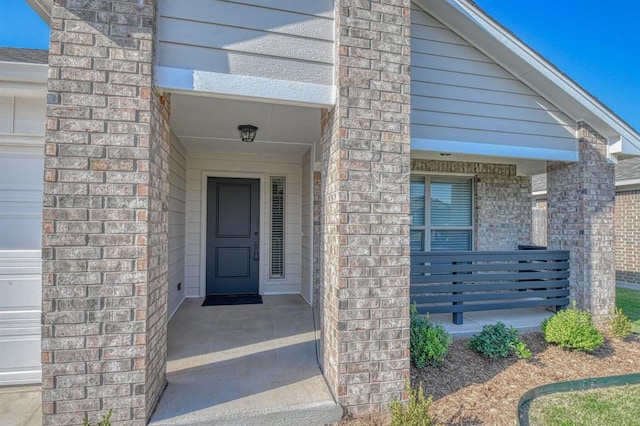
x: 233, y: 235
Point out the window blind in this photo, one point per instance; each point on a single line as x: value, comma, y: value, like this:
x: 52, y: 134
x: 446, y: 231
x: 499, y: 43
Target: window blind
x: 277, y: 227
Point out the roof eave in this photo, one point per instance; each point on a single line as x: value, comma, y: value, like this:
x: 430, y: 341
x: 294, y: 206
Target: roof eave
x: 42, y: 8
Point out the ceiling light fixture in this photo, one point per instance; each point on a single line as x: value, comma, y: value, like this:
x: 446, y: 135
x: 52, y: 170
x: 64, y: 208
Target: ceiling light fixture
x: 247, y: 132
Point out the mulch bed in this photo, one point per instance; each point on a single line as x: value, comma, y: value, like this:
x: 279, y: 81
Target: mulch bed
x: 469, y: 389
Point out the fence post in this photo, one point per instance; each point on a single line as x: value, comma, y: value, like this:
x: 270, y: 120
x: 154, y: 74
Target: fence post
x: 457, y: 316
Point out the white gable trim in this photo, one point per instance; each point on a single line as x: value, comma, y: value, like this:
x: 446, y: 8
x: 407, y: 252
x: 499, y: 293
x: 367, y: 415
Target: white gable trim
x: 475, y: 26
x: 42, y: 8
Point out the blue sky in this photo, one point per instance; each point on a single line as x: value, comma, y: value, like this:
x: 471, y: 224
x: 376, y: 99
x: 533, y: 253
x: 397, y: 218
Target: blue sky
x: 595, y: 42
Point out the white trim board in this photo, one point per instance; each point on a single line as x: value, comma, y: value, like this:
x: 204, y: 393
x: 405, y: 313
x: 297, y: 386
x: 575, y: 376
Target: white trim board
x: 494, y: 150
x: 242, y: 87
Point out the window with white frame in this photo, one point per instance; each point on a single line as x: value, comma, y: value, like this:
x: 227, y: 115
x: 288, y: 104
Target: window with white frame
x: 441, y: 213
x: 276, y: 261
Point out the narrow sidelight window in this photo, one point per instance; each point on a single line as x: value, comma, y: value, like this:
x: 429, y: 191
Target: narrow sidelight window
x: 276, y: 262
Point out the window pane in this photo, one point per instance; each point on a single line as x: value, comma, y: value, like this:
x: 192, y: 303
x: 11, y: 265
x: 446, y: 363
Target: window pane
x: 417, y: 240
x: 417, y: 201
x: 450, y: 240
x: 451, y: 202
x: 277, y: 228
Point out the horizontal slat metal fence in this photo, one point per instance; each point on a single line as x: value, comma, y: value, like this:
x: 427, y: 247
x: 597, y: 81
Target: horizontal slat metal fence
x: 466, y: 281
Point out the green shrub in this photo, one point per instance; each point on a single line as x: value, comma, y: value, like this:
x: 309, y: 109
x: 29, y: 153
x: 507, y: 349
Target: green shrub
x: 106, y: 420
x: 416, y: 411
x: 429, y: 343
x: 620, y: 325
x: 572, y: 328
x: 522, y: 351
x: 497, y: 341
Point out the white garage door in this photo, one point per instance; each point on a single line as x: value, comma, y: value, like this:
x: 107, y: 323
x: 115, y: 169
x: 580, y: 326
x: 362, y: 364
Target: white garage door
x: 20, y: 283
x: 21, y: 165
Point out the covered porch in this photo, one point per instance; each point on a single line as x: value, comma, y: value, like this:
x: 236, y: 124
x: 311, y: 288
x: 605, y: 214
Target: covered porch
x: 246, y: 364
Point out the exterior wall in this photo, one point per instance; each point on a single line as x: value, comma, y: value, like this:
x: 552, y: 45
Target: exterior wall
x: 502, y: 201
x: 21, y: 165
x: 580, y: 200
x: 317, y: 237
x: 306, y: 266
x: 157, y: 259
x: 203, y: 162
x: 177, y: 223
x: 460, y: 94
x: 627, y: 225
x: 105, y: 220
x: 365, y: 194
x: 627, y: 237
x: 284, y: 40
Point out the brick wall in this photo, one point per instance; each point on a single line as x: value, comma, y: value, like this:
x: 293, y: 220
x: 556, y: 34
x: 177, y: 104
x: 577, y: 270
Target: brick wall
x: 580, y: 199
x: 627, y: 224
x: 105, y: 219
x: 365, y: 194
x: 627, y: 234
x: 157, y: 250
x: 502, y: 201
x: 317, y: 237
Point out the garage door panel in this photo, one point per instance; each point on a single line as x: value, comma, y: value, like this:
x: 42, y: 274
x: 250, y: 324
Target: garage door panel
x: 20, y: 312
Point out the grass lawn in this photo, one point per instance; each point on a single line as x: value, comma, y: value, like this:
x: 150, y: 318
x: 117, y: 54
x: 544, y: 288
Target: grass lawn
x: 612, y: 406
x: 629, y: 302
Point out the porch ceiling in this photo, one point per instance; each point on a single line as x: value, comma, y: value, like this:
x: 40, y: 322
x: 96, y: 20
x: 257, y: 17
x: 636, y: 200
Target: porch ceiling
x: 211, y: 123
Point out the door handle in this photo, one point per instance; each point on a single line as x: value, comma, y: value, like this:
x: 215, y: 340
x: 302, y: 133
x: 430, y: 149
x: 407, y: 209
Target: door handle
x: 256, y: 249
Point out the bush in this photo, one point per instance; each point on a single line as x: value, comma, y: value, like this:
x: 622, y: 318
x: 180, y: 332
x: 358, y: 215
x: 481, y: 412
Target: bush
x: 572, y: 328
x: 416, y: 411
x: 522, y: 351
x: 620, y: 325
x: 429, y: 343
x: 498, y: 341
x: 106, y: 420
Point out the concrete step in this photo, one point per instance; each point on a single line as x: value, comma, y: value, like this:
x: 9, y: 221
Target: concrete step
x: 313, y: 414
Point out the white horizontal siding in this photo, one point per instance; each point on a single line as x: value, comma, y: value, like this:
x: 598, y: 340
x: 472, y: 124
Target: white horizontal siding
x: 177, y: 223
x: 20, y: 311
x: 460, y: 94
x: 201, y: 162
x: 280, y: 40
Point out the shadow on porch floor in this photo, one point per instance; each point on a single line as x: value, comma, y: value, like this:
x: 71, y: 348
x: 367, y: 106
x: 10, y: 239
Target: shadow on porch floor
x: 244, y: 365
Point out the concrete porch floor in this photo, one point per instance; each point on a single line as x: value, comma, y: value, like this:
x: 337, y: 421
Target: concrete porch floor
x: 245, y: 365
x: 524, y: 320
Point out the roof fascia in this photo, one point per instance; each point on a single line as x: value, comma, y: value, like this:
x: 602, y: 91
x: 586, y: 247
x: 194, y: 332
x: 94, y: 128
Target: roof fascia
x: 42, y: 8
x: 23, y: 72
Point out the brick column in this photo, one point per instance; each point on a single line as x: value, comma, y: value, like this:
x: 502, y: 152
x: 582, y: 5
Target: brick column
x: 581, y: 199
x: 365, y: 195
x: 105, y: 216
